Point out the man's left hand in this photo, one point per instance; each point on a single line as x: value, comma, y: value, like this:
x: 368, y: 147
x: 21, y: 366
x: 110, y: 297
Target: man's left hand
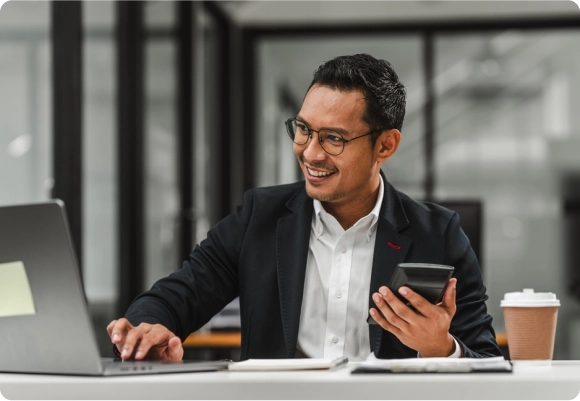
x: 425, y: 329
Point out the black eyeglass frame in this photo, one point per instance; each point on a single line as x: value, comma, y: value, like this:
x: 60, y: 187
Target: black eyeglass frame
x: 310, y: 131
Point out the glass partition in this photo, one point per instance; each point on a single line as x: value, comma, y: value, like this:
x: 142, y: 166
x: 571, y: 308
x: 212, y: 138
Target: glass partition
x: 161, y: 174
x: 206, y: 119
x: 507, y: 134
x: 100, y: 196
x: 25, y: 103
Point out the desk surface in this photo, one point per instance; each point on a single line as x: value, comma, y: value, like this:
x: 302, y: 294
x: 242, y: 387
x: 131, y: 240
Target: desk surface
x: 216, y: 339
x: 233, y: 339
x: 561, y: 380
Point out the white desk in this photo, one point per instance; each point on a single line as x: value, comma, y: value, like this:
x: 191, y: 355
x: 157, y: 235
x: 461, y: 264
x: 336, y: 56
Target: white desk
x: 560, y: 381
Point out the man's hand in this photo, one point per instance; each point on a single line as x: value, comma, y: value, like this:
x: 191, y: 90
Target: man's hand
x: 146, y: 341
x: 425, y: 330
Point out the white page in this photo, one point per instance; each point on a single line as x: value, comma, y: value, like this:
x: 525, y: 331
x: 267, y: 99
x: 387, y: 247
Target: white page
x: 435, y: 364
x: 287, y: 364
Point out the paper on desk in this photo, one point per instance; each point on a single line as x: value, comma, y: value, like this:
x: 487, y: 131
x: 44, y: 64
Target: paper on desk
x: 15, y: 295
x: 256, y: 365
x: 434, y: 365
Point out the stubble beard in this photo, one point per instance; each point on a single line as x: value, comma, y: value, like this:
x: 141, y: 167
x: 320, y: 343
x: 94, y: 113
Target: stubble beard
x: 324, y: 197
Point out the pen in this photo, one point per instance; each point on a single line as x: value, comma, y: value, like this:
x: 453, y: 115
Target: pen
x: 339, y: 362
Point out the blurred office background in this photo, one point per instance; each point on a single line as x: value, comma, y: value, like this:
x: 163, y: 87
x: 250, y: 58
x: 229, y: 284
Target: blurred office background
x: 150, y: 119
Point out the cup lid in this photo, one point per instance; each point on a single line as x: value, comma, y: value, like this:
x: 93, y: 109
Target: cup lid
x: 529, y: 298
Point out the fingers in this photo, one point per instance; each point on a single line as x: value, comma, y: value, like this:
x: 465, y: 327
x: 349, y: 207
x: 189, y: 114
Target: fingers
x: 144, y: 341
x: 110, y: 327
x: 117, y: 330
x: 133, y: 339
x: 158, y: 343
x: 450, y: 296
x: 422, y: 306
x: 392, y: 310
x: 398, y: 307
x: 175, y: 349
x: 380, y: 319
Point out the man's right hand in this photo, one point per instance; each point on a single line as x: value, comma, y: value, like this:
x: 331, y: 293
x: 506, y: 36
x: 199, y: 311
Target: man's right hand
x: 146, y: 341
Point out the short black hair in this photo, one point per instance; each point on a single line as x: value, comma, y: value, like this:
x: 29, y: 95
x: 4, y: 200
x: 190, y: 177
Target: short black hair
x: 385, y: 95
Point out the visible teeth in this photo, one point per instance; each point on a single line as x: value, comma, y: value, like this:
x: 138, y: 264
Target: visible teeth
x: 318, y: 173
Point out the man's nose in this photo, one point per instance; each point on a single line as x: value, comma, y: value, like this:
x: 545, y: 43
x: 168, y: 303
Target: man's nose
x: 313, y: 149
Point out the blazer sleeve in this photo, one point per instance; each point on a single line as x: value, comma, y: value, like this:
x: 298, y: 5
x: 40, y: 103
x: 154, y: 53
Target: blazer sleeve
x: 187, y: 299
x: 471, y: 325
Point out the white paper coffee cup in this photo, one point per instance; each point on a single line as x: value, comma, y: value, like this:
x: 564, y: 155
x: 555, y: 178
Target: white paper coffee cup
x: 530, y: 319
x: 528, y: 298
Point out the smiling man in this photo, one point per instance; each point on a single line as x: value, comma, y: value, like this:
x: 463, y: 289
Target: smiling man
x: 311, y: 260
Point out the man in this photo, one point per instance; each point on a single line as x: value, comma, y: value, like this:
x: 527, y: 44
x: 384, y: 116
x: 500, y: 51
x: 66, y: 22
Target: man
x: 310, y: 260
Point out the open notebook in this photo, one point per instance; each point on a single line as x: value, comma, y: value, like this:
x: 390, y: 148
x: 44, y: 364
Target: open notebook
x: 268, y: 365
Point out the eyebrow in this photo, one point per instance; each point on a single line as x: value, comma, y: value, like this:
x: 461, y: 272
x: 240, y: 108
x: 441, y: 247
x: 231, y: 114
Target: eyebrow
x: 341, y: 131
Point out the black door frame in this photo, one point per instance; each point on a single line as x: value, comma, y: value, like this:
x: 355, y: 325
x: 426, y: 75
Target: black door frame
x: 67, y: 36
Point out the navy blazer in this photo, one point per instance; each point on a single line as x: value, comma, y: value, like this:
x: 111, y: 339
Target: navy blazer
x: 259, y: 253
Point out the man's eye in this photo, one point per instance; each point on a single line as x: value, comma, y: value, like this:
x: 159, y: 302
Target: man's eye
x: 301, y: 127
x: 334, y: 139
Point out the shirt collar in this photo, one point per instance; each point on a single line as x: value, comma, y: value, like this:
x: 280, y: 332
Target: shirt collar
x: 319, y: 212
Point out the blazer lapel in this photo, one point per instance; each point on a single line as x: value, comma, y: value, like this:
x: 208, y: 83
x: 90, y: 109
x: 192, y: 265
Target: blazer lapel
x: 292, y: 241
x: 391, y: 248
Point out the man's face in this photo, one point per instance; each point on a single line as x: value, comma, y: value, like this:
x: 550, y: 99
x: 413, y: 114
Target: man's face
x: 351, y: 175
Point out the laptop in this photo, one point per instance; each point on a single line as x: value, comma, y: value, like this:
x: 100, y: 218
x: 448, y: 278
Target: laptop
x: 44, y: 320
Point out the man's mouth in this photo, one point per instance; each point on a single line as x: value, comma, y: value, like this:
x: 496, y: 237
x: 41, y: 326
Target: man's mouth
x: 316, y: 173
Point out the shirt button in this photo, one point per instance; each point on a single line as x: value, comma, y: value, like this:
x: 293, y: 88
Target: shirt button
x: 343, y: 250
x: 335, y: 340
x: 339, y: 294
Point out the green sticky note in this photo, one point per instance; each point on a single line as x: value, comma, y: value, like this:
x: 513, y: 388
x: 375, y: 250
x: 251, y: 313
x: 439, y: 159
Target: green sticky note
x: 15, y: 295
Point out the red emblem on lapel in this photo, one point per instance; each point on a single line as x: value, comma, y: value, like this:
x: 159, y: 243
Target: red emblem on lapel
x: 397, y: 247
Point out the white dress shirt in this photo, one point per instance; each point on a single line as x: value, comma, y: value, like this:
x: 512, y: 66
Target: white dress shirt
x: 335, y: 303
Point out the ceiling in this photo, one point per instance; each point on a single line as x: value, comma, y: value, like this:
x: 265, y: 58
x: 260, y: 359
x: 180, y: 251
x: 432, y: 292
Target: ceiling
x: 288, y: 13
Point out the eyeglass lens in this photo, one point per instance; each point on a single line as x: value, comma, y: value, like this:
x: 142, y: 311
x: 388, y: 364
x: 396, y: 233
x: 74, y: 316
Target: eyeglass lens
x: 331, y: 141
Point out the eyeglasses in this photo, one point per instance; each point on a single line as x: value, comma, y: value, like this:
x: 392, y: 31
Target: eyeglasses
x: 331, y: 141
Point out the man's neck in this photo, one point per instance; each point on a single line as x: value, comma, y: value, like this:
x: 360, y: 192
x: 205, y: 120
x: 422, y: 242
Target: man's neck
x: 348, y: 214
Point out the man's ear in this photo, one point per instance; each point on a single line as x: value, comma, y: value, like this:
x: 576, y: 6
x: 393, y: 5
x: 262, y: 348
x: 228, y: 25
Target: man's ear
x: 387, y: 144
